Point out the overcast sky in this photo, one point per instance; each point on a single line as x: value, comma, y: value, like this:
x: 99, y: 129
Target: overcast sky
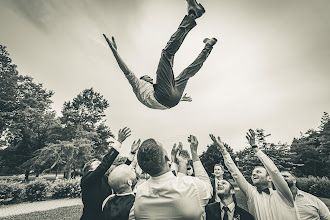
x: 269, y: 69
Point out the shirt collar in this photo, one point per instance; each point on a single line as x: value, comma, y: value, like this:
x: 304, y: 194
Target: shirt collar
x: 125, y: 194
x: 299, y: 192
x: 231, y: 206
x: 162, y: 177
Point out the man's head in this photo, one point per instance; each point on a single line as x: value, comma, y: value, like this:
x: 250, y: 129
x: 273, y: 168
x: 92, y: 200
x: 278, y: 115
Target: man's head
x: 260, y: 177
x: 152, y: 158
x: 289, y: 178
x: 122, y: 178
x: 218, y: 171
x: 225, y: 189
x: 147, y: 79
x: 91, y: 165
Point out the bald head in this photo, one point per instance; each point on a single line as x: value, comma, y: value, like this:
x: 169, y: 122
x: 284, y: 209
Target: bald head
x: 121, y: 179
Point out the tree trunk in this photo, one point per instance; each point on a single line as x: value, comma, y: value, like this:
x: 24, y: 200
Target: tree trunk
x: 27, y: 173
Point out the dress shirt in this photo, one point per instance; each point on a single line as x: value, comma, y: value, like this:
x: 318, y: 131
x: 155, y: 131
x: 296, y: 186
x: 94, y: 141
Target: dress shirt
x: 230, y: 212
x: 144, y: 92
x: 173, y: 197
x: 278, y: 204
x: 310, y: 207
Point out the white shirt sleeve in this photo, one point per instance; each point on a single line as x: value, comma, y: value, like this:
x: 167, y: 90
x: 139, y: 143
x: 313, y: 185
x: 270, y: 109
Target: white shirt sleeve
x: 203, y: 183
x: 244, y: 185
x: 280, y: 184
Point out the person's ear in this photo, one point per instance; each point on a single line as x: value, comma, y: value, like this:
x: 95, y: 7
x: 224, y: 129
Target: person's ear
x: 269, y: 179
x: 129, y: 182
x: 232, y: 192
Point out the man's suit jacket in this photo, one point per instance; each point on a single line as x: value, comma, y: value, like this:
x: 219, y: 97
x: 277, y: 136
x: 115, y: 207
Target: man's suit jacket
x: 213, y: 212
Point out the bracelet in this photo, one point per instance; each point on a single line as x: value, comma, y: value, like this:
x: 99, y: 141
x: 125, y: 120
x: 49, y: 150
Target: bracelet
x: 133, y: 152
x: 254, y: 146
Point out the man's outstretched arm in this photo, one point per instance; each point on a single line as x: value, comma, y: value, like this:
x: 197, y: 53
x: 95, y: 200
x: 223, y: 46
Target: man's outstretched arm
x: 113, y: 46
x: 279, y: 182
x: 242, y: 183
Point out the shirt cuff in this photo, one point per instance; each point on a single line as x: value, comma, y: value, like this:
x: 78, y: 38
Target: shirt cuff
x: 116, y: 145
x: 174, y: 166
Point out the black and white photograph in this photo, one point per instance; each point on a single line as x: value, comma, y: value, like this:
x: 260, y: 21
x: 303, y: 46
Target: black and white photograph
x: 177, y: 109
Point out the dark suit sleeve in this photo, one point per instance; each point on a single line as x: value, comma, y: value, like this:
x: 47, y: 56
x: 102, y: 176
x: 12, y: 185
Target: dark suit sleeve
x: 99, y: 172
x: 213, y: 211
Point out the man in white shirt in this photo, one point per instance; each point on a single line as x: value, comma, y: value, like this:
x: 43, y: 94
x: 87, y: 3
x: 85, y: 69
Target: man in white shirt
x: 166, y: 196
x: 308, y: 206
x: 167, y: 91
x: 263, y: 203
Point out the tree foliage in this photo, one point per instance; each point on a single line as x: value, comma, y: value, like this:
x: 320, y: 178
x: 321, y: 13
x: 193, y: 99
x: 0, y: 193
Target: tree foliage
x: 312, y: 150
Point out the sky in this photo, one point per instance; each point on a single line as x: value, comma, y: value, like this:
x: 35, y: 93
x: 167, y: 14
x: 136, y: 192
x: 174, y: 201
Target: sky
x: 269, y: 68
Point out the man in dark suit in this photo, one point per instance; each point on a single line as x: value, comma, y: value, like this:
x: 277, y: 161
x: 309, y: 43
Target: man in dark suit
x: 227, y: 208
x: 94, y: 183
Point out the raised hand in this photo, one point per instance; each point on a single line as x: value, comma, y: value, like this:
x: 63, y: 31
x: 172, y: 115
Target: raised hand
x: 135, y: 146
x: 112, y: 44
x: 193, y: 147
x: 182, y: 160
x: 174, y: 151
x: 217, y: 142
x: 123, y: 134
x: 186, y: 98
x: 251, y: 137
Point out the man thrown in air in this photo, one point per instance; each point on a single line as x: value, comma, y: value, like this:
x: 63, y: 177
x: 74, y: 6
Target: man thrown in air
x: 167, y: 91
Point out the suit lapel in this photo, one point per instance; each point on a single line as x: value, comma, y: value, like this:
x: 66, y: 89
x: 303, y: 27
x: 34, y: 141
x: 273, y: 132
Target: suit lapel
x: 217, y: 211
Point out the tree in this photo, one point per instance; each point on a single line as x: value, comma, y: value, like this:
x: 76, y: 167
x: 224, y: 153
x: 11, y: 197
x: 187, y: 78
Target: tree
x: 279, y: 153
x: 26, y: 119
x: 86, y: 112
x: 312, y: 150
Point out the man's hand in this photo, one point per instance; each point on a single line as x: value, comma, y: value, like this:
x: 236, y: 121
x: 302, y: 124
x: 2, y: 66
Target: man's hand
x: 174, y: 152
x: 217, y: 142
x: 193, y: 147
x: 112, y: 44
x: 135, y: 146
x: 251, y: 137
x: 182, y: 160
x: 186, y: 98
x: 123, y: 134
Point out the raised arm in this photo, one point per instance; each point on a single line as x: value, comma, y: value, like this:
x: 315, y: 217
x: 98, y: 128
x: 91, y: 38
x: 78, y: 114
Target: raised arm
x: 202, y: 181
x: 133, y: 80
x: 242, y: 183
x: 278, y: 180
x: 113, y: 46
x: 107, y: 160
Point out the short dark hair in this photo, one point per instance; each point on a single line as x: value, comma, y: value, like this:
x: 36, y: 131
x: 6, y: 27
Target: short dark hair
x: 88, y: 164
x: 151, y: 157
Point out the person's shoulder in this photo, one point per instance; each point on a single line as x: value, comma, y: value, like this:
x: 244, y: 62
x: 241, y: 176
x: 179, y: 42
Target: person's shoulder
x: 243, y: 212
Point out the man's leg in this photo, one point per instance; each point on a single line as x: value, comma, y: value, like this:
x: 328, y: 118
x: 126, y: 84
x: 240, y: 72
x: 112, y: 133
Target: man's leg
x: 192, y: 69
x: 165, y: 77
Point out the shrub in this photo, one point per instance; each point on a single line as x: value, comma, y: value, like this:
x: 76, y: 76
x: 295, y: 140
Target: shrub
x: 11, y: 192
x: 37, y: 190
x: 66, y: 188
x: 318, y: 186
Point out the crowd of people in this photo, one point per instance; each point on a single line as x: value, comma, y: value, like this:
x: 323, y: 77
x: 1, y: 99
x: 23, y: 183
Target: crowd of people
x: 150, y: 184
x: 153, y: 185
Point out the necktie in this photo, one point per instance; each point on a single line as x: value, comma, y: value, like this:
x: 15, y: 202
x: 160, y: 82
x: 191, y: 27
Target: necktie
x: 225, y: 215
x: 266, y: 190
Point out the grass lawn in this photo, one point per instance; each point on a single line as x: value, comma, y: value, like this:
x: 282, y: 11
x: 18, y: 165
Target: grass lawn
x: 71, y: 212
x: 74, y: 212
